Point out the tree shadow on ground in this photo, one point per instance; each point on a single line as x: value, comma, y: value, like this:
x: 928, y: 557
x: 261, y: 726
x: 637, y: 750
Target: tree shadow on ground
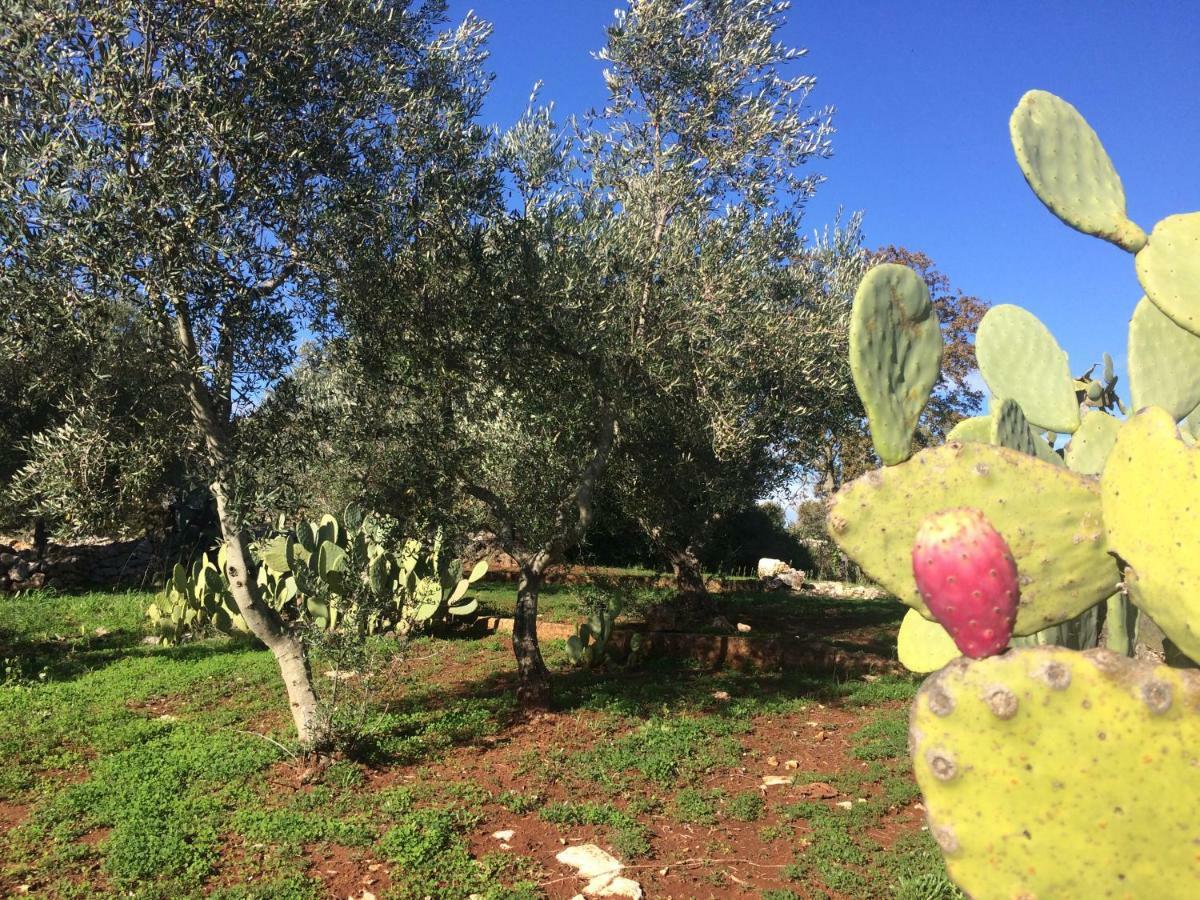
x: 69, y: 657
x: 659, y: 688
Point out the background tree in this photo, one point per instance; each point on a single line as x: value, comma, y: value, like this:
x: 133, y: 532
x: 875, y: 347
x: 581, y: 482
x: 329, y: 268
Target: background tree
x: 213, y: 166
x: 85, y: 446
x: 503, y: 334
x: 638, y: 299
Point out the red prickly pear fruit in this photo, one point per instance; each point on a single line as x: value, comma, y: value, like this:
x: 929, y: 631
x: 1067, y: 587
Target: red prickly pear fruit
x: 968, y: 578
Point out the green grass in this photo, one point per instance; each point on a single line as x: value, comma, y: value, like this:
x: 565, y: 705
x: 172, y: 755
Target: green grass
x: 629, y: 838
x: 148, y: 770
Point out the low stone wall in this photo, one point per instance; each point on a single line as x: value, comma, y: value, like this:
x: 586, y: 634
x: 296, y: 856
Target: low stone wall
x: 742, y: 652
x: 100, y: 563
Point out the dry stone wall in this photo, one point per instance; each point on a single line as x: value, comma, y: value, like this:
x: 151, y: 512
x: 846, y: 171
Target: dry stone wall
x: 94, y: 563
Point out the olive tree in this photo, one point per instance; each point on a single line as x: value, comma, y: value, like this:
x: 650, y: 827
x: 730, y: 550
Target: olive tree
x: 626, y: 300
x: 214, y: 166
x: 704, y: 149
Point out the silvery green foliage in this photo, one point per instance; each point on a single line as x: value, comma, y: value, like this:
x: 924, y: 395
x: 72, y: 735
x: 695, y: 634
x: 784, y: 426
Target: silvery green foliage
x: 702, y: 152
x: 215, y: 166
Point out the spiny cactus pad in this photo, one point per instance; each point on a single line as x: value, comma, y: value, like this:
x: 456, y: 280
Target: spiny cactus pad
x: 1151, y: 489
x: 1043, y: 451
x: 1164, y: 362
x: 1049, y: 516
x: 895, y: 355
x: 1010, y: 429
x: 1169, y: 269
x: 924, y: 646
x: 1066, y: 165
x: 1020, y: 359
x: 1091, y: 444
x: 979, y: 429
x: 1016, y: 756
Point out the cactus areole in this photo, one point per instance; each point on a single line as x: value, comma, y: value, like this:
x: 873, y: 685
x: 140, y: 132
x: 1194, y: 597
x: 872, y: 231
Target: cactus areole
x: 968, y: 579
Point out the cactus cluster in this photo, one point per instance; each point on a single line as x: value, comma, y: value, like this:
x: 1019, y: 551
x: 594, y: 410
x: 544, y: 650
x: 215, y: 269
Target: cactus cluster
x: 329, y: 574
x: 192, y: 601
x: 590, y: 647
x: 1015, y: 752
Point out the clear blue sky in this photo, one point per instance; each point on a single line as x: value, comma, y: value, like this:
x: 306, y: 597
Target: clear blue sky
x: 923, y: 92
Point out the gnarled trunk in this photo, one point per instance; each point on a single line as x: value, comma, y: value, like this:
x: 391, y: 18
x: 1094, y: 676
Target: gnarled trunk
x: 533, y: 688
x: 689, y: 580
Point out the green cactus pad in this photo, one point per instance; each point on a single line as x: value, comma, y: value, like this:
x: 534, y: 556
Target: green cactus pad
x: 924, y: 646
x: 1151, y: 490
x: 1049, y: 516
x: 1164, y: 362
x: 895, y: 355
x: 1015, y: 756
x: 1066, y: 165
x: 1019, y: 358
x: 1043, y: 451
x: 1009, y: 428
x: 1169, y: 269
x: 976, y: 428
x: 1091, y: 444
x: 979, y: 429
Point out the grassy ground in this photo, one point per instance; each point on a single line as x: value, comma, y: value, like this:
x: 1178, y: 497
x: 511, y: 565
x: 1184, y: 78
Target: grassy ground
x: 147, y: 771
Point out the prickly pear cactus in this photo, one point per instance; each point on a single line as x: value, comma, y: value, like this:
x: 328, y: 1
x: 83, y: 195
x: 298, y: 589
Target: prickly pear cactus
x: 1048, y: 772
x: 1010, y: 429
x: 1166, y: 359
x: 1088, y: 451
x: 1151, y: 495
x: 1050, y: 517
x: 924, y: 646
x: 1066, y: 165
x: 895, y: 355
x: 1169, y: 269
x: 1016, y: 756
x: 1020, y: 359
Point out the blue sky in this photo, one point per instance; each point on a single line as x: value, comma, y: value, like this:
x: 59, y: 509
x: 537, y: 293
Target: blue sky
x: 923, y: 92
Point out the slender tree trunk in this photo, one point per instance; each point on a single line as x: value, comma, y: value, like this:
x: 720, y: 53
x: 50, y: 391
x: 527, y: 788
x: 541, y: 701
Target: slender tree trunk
x: 265, y: 624
x: 39, y: 537
x: 533, y: 689
x: 287, y: 648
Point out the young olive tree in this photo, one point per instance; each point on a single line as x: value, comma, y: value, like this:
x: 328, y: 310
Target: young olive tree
x: 703, y: 149
x: 214, y: 165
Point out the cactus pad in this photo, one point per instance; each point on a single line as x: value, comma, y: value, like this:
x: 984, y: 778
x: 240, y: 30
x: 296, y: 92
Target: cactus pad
x: 1066, y: 165
x: 1055, y: 531
x: 979, y: 429
x: 1015, y: 756
x: 1009, y: 428
x: 1151, y: 490
x: 976, y: 428
x: 1020, y: 359
x: 924, y: 646
x: 1044, y: 451
x: 1091, y: 444
x: 895, y: 355
x: 1169, y: 269
x: 1164, y: 362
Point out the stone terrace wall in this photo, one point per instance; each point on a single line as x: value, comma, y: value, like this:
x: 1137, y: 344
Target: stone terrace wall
x: 93, y: 563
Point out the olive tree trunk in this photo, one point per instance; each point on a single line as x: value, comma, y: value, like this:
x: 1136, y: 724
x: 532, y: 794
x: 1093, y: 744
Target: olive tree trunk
x: 689, y: 580
x: 533, y: 688
x: 264, y: 623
